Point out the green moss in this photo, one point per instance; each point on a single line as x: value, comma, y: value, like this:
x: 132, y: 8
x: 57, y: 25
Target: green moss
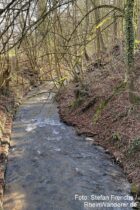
x: 116, y: 137
x: 134, y: 147
x: 129, y: 31
x: 76, y: 103
x: 99, y: 110
x: 135, y: 99
x: 135, y: 189
x: 117, y: 90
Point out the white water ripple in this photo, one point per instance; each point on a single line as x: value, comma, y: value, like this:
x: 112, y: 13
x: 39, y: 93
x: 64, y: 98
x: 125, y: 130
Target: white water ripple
x: 40, y: 122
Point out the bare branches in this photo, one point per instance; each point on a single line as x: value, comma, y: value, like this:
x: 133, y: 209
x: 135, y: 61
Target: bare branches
x: 16, y: 9
x: 59, y: 34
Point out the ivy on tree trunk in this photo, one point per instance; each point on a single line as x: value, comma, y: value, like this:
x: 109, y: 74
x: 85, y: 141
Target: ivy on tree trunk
x: 129, y: 32
x: 130, y: 40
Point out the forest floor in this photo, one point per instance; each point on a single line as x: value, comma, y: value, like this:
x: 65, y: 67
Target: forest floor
x: 115, y: 126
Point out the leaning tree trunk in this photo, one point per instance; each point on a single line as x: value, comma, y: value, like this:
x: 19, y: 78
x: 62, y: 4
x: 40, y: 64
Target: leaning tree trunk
x: 130, y: 38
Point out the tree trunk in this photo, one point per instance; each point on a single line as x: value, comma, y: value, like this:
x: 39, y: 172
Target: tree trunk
x: 130, y: 38
x: 100, y: 41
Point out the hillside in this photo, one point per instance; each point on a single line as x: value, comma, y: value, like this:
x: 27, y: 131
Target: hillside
x: 104, y: 113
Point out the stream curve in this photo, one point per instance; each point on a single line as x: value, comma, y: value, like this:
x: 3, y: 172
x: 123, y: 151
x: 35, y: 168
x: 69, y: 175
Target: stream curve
x: 51, y: 168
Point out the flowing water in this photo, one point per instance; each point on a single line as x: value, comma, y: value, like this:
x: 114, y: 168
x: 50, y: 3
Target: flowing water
x: 51, y: 168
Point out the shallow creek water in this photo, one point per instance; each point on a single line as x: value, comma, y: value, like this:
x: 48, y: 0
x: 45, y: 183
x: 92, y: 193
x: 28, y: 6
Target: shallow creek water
x: 51, y: 168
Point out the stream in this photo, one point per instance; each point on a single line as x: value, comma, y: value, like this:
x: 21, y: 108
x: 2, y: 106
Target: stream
x: 52, y: 168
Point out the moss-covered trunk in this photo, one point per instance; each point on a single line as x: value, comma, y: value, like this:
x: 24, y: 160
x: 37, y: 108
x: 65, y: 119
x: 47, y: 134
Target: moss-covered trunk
x: 129, y: 32
x: 130, y: 39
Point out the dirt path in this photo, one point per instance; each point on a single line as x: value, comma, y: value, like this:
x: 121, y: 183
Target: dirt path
x: 49, y: 164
